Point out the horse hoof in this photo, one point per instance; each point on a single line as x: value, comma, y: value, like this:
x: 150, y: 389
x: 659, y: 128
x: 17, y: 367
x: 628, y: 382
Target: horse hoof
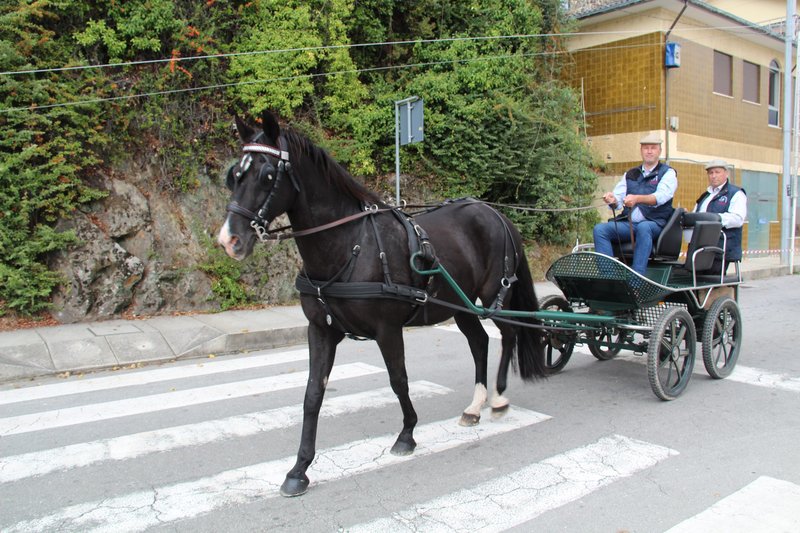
x: 294, y: 487
x: 403, y: 448
x: 498, y: 412
x: 469, y: 420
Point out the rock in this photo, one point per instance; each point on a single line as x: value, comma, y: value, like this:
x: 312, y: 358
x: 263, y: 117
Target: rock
x: 141, y: 249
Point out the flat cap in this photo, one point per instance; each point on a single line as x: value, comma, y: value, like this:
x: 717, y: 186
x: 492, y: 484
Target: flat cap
x: 717, y: 163
x: 652, y: 138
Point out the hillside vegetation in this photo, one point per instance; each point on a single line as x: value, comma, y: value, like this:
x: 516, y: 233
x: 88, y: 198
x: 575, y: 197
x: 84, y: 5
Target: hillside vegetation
x: 92, y: 87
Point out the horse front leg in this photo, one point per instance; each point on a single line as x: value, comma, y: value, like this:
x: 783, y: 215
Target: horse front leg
x: 322, y: 343
x: 392, y: 349
x: 478, y: 342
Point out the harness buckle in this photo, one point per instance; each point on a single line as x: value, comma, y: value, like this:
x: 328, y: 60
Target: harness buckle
x: 261, y: 231
x: 422, y: 299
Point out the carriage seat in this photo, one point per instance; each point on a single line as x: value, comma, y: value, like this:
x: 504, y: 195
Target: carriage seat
x: 668, y: 244
x: 707, y: 222
x: 705, y: 241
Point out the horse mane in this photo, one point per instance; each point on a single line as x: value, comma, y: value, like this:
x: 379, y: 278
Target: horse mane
x: 333, y: 170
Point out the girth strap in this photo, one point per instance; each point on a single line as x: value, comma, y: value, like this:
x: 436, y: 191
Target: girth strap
x: 361, y: 290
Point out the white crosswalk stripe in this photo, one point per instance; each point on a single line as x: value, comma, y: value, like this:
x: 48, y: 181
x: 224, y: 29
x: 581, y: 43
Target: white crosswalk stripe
x: 169, y: 400
x: 527, y: 493
x: 766, y: 504
x: 203, y: 368
x: 162, y: 440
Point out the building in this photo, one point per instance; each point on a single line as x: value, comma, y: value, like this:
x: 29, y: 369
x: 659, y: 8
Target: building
x: 719, y: 94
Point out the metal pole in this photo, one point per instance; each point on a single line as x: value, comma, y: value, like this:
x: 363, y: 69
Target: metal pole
x: 397, y: 153
x: 787, y: 130
x: 793, y: 214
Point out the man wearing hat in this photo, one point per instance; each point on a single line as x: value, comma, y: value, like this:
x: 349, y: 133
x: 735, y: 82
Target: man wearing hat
x: 730, y: 202
x: 645, y: 195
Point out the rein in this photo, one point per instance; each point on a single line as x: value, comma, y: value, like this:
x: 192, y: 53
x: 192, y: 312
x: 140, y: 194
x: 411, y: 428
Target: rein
x: 276, y: 235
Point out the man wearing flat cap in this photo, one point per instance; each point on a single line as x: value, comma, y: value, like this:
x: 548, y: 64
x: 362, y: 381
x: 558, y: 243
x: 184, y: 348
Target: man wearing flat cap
x: 730, y: 202
x: 645, y: 195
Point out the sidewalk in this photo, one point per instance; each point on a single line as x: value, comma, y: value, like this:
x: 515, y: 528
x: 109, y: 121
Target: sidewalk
x: 29, y: 353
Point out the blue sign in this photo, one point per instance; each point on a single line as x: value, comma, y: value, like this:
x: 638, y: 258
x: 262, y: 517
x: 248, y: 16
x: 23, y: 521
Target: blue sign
x: 411, y: 122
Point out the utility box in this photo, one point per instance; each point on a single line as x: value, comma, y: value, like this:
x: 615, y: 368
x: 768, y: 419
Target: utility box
x: 672, y: 55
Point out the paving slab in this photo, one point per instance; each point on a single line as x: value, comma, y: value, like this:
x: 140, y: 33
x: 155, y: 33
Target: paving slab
x: 81, y: 354
x: 23, y: 353
x: 183, y: 333
x: 142, y: 346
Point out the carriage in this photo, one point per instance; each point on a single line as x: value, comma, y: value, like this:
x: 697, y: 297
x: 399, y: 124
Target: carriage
x: 370, y: 269
x: 609, y: 307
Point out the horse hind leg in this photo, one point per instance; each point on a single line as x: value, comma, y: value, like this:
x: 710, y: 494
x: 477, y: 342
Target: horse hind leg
x: 498, y: 402
x: 478, y: 342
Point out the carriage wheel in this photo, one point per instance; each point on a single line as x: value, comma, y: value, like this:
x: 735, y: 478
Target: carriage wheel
x: 671, y: 353
x: 558, y: 345
x: 722, y: 337
x: 601, y: 347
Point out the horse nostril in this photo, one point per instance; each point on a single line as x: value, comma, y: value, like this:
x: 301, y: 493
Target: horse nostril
x: 235, y: 242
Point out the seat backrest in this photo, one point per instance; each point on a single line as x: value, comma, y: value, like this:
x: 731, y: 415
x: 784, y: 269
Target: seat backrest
x: 706, y: 233
x: 668, y: 244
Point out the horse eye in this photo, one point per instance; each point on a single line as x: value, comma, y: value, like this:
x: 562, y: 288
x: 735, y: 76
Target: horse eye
x: 230, y: 178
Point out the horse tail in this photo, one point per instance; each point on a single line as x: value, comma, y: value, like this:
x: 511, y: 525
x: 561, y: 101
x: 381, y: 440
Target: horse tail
x: 530, y: 345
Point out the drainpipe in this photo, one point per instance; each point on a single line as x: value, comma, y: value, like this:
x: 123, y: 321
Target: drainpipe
x: 796, y: 151
x: 666, y: 82
x: 787, y: 133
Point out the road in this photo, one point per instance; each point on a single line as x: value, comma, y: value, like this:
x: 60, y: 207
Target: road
x: 203, y: 445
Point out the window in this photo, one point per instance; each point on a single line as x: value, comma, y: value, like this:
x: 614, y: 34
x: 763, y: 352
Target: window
x: 751, y: 79
x: 774, y: 93
x: 723, y: 81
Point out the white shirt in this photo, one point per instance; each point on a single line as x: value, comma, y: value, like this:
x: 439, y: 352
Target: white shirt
x: 737, y: 207
x: 664, y: 191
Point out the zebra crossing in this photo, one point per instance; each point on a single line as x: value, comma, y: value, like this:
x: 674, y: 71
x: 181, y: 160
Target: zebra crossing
x: 45, y: 446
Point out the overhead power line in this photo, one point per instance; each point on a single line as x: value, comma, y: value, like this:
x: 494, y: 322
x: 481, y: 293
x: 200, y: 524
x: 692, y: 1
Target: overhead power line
x: 347, y: 46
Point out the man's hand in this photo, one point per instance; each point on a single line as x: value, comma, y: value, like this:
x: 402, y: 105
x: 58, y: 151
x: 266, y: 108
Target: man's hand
x: 630, y: 200
x: 609, y: 199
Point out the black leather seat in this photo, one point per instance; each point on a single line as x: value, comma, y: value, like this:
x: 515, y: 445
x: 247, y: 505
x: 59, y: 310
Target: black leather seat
x: 668, y: 244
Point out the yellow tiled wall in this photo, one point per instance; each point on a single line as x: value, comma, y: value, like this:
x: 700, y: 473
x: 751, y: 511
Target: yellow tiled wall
x: 621, y: 83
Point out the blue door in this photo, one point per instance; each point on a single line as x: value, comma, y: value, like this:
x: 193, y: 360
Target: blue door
x: 762, y: 206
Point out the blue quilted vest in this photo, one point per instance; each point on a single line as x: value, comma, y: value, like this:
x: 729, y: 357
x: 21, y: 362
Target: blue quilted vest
x: 639, y: 183
x: 719, y: 204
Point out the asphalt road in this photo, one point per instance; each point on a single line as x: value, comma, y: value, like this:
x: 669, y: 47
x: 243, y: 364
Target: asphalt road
x: 203, y: 445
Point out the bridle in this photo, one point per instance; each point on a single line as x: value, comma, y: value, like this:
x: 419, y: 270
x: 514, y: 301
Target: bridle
x: 258, y: 220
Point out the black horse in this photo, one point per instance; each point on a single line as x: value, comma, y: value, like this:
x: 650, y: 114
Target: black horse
x: 357, y: 277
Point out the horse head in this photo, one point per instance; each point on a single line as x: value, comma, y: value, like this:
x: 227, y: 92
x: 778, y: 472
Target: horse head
x: 262, y: 186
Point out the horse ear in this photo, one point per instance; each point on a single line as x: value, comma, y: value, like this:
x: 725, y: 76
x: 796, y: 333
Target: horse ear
x: 271, y: 127
x: 244, y: 129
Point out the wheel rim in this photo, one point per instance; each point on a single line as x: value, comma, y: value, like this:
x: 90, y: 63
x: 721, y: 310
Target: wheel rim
x: 674, y: 355
x: 606, y: 352
x: 722, y: 339
x: 559, y: 346
x: 724, y: 342
x: 671, y: 354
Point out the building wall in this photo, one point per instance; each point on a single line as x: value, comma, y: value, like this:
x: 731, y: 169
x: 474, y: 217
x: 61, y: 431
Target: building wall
x: 759, y: 11
x: 702, y: 113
